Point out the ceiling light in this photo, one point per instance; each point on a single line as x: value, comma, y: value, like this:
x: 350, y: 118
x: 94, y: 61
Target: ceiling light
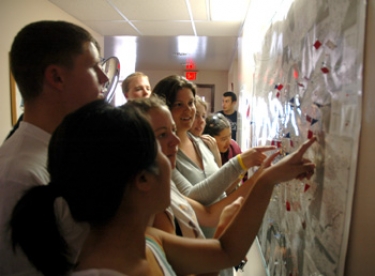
x: 187, y: 45
x: 224, y: 10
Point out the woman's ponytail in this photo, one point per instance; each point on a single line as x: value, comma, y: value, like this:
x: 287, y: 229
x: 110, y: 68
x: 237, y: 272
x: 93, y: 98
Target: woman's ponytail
x: 34, y: 228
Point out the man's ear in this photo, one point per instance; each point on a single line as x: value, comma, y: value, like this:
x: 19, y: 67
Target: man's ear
x: 53, y: 76
x: 143, y: 181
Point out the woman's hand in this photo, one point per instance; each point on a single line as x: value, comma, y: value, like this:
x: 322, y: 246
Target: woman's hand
x: 289, y: 167
x: 227, y: 215
x: 255, y: 156
x: 212, y: 145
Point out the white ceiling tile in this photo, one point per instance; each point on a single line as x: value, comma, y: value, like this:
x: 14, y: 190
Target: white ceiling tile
x: 164, y: 28
x: 199, y: 10
x: 153, y: 9
x: 111, y: 28
x: 88, y: 9
x: 160, y: 22
x: 218, y: 28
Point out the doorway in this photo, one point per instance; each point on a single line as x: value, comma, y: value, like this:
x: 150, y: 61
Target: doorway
x: 207, y: 93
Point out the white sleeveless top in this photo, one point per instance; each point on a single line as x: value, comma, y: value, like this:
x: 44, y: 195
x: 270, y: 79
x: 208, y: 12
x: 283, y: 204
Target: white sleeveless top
x: 157, y: 251
x: 181, y: 209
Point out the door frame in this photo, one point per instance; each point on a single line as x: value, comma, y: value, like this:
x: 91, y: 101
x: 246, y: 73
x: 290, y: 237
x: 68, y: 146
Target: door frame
x: 212, y: 87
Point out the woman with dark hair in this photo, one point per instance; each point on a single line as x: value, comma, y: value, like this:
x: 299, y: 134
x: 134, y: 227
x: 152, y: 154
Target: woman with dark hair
x: 106, y: 164
x: 196, y: 174
x: 219, y: 127
x: 183, y: 213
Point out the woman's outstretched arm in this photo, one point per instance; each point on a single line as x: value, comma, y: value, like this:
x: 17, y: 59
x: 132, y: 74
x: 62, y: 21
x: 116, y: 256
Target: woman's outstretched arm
x: 200, y: 256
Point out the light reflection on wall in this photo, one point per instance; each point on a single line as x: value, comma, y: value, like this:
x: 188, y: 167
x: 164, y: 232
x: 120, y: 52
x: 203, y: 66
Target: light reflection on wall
x: 262, y: 122
x: 191, y: 47
x: 260, y: 14
x: 125, y: 49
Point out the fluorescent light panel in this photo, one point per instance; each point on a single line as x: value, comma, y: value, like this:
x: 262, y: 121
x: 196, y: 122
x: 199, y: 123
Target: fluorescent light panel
x: 225, y: 10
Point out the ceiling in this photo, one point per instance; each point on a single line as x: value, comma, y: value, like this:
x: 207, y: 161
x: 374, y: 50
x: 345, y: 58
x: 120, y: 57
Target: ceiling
x: 158, y: 26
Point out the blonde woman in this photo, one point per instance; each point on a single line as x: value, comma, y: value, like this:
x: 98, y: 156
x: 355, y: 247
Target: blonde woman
x: 199, y: 125
x: 136, y: 85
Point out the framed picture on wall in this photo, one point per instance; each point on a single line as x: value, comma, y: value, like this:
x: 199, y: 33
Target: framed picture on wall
x: 15, y: 99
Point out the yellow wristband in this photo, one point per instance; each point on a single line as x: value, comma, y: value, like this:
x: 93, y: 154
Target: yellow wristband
x: 241, y: 176
x: 239, y: 158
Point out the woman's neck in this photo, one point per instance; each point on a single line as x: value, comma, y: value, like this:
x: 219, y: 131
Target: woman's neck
x: 119, y: 245
x: 185, y: 142
x: 184, y: 136
x: 188, y: 148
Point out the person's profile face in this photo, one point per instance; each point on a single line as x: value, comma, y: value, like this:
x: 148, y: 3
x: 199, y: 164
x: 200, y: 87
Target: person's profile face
x: 84, y: 82
x: 163, y: 180
x: 223, y: 139
x: 165, y: 132
x: 139, y: 87
x: 228, y: 105
x: 200, y: 120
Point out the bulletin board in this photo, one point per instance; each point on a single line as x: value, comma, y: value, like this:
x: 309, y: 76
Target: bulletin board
x: 308, y: 81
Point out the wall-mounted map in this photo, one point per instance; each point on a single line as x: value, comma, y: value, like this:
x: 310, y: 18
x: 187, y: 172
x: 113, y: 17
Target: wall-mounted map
x: 308, y: 81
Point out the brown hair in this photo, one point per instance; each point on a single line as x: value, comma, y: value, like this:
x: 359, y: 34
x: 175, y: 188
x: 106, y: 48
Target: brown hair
x: 146, y: 104
x: 168, y: 87
x: 41, y: 44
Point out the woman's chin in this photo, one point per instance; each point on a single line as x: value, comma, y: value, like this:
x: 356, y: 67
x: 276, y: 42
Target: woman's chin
x: 186, y: 125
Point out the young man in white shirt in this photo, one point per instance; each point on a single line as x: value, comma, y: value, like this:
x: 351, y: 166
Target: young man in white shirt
x: 57, y: 68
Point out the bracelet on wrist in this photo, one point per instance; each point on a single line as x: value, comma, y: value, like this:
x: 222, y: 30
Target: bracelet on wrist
x: 239, y: 158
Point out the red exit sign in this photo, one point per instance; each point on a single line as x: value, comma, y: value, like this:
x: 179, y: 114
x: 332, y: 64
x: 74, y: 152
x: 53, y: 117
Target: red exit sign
x: 191, y: 75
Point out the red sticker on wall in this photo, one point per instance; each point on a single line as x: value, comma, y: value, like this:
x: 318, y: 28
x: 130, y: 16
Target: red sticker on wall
x: 325, y: 70
x: 317, y: 44
x: 307, y: 186
x: 310, y: 134
x: 287, y: 206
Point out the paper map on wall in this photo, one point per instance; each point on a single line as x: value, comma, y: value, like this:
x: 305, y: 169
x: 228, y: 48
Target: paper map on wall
x: 308, y: 81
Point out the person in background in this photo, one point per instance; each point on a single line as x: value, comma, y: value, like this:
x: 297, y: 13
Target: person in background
x: 229, y: 111
x: 57, y: 67
x: 136, y: 85
x: 199, y: 125
x: 200, y: 116
x: 120, y: 199
x: 218, y: 126
x: 196, y: 174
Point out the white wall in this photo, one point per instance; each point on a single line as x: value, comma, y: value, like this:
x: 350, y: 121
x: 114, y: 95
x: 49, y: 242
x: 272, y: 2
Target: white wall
x: 361, y: 246
x: 233, y: 77
x: 15, y: 14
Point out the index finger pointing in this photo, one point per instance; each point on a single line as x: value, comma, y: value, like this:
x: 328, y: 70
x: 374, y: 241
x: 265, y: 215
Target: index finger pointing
x: 306, y: 145
x: 265, y: 148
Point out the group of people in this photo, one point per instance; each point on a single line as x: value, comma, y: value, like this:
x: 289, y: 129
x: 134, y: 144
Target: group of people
x: 90, y: 189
